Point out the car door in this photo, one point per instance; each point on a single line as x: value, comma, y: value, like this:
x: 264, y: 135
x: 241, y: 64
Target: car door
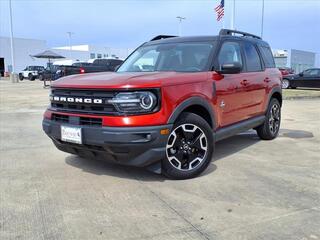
x: 254, y: 81
x: 308, y: 78
x: 316, y: 82
x: 229, y: 90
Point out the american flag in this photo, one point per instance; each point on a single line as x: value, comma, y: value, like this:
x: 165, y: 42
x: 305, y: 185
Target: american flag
x: 220, y: 10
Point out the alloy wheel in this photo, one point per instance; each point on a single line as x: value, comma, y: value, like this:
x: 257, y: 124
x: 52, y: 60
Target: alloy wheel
x: 274, y: 119
x: 187, y: 147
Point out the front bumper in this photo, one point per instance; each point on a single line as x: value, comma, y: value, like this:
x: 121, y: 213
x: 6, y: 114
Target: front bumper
x: 134, y: 146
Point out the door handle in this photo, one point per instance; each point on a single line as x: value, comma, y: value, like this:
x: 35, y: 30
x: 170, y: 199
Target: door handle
x: 267, y: 80
x: 244, y: 82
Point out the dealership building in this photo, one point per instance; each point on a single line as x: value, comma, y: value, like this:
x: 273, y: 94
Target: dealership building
x: 298, y: 60
x: 24, y: 49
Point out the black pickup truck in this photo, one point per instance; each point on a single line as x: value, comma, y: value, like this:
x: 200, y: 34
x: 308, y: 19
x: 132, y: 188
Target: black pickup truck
x: 98, y: 65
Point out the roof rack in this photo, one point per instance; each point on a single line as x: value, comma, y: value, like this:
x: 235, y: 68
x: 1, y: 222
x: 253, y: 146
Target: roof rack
x: 159, y: 37
x: 230, y: 32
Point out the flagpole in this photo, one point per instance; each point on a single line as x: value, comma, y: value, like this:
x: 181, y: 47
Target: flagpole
x: 223, y: 25
x: 233, y: 15
x: 262, y: 18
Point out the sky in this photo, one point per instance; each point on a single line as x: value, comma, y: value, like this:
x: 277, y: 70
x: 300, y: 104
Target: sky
x: 126, y: 24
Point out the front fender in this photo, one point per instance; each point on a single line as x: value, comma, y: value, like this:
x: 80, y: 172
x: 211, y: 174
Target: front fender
x: 192, y: 101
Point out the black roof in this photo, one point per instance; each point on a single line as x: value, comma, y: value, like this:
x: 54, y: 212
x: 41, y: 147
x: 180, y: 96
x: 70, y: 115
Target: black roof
x: 224, y: 34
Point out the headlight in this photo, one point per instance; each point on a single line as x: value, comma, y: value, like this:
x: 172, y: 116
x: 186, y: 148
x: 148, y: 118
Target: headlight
x: 134, y: 102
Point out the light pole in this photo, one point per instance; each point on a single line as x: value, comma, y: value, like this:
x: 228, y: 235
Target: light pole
x: 70, y: 46
x: 180, y: 22
x: 69, y: 36
x: 13, y: 76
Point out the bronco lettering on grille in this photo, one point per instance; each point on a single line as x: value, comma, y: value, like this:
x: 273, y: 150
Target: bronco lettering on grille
x: 76, y: 100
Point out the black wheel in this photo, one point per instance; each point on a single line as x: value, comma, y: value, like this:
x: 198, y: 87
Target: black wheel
x: 21, y: 77
x: 41, y: 77
x: 31, y: 77
x: 270, y: 128
x: 285, y: 83
x: 189, y: 147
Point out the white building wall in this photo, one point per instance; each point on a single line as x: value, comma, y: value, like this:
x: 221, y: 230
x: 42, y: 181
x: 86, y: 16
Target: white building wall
x: 318, y: 60
x: 107, y: 52
x: 86, y: 52
x: 298, y: 60
x: 302, y: 60
x: 82, y: 56
x: 23, y: 49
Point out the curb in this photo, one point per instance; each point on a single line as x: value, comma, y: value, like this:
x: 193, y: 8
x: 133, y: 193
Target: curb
x: 301, y: 98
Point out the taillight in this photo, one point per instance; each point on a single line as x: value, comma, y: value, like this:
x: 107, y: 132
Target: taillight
x: 82, y: 70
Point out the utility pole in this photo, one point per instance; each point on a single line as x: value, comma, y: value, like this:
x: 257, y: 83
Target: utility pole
x: 13, y: 76
x: 180, y: 23
x: 262, y: 18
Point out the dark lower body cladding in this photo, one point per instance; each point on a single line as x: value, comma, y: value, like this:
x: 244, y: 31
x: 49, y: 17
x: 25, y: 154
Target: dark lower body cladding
x: 134, y: 146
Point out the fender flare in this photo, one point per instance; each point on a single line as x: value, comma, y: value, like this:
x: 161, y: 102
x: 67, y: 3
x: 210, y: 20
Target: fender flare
x: 275, y: 90
x: 190, y: 102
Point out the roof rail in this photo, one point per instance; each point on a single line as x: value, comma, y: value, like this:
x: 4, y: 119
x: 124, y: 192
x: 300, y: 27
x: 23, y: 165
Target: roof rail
x: 161, y: 37
x: 230, y: 32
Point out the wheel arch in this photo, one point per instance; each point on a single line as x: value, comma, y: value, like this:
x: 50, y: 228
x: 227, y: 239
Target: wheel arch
x: 277, y: 94
x: 196, y: 105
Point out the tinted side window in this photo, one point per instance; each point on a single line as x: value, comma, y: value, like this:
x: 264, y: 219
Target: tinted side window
x: 99, y: 62
x: 267, y: 56
x: 229, y: 53
x: 311, y: 72
x: 114, y: 63
x: 252, y: 58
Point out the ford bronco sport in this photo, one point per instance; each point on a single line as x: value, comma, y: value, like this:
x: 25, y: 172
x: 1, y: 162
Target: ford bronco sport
x: 169, y: 102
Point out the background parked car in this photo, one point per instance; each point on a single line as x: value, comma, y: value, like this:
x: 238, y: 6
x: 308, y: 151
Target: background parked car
x: 309, y: 78
x: 286, y: 71
x: 97, y: 65
x: 49, y: 73
x: 30, y: 72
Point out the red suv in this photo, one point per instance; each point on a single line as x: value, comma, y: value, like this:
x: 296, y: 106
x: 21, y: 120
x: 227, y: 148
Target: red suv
x: 169, y: 102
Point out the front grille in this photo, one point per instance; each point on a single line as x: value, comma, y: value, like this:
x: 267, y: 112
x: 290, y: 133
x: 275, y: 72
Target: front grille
x: 90, y: 121
x: 60, y: 118
x: 103, y: 108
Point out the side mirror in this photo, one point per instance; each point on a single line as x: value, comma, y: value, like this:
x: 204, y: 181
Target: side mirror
x: 230, y: 68
x: 301, y: 74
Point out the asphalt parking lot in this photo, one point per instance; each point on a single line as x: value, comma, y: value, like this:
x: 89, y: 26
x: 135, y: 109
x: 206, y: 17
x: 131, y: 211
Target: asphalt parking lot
x: 252, y: 190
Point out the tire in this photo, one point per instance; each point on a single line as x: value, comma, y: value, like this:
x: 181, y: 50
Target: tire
x: 270, y: 128
x: 21, y: 77
x: 31, y: 77
x: 189, y: 147
x: 41, y: 77
x: 285, y: 84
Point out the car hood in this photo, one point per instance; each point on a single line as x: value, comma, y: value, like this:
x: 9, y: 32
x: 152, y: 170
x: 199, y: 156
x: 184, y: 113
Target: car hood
x: 127, y: 80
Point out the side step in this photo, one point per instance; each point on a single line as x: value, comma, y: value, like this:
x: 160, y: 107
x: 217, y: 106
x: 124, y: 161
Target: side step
x: 234, y: 129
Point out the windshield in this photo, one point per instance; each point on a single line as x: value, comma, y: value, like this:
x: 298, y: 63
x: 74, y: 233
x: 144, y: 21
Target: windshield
x: 178, y: 57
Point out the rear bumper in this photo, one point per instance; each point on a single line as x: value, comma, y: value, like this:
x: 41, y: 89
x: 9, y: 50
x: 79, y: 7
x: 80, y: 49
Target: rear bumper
x: 134, y: 146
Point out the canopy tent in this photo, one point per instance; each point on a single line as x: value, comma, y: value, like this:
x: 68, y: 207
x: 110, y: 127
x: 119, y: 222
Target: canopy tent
x: 49, y: 55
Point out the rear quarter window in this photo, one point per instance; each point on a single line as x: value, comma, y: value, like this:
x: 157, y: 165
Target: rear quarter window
x: 267, y: 57
x: 252, y: 57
